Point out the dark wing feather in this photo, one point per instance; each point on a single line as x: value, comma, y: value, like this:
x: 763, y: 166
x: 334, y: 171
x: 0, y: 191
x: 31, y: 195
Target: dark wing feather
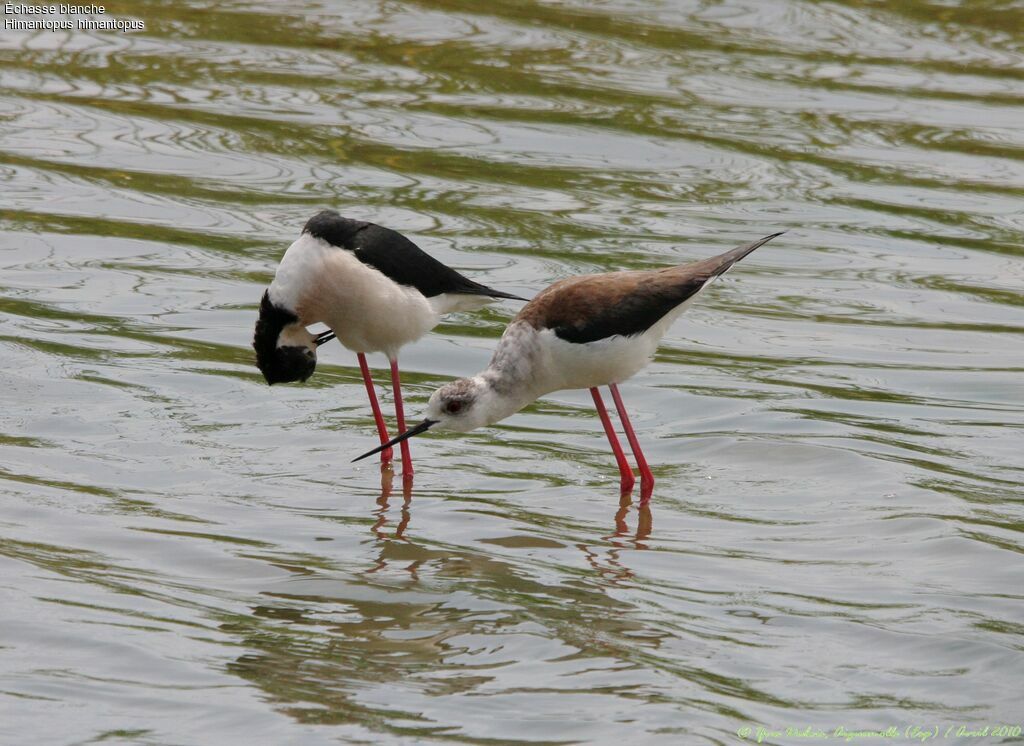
x: 395, y: 256
x: 586, y: 309
x: 620, y: 303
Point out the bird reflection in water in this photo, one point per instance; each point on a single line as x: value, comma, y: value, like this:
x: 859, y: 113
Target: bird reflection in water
x: 608, y: 566
x: 394, y: 547
x: 644, y: 521
x: 607, y: 561
x: 387, y: 479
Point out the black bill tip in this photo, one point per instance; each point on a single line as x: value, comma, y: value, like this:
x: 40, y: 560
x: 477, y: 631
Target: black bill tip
x: 323, y: 337
x: 420, y: 428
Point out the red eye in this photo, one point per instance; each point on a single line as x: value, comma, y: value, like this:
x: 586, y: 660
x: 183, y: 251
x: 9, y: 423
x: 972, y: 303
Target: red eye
x: 453, y: 407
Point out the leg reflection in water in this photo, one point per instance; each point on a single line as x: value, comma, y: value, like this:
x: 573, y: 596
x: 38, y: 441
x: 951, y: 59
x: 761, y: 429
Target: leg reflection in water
x: 644, y: 521
x: 607, y: 561
x: 387, y: 478
x: 394, y: 548
x: 397, y: 548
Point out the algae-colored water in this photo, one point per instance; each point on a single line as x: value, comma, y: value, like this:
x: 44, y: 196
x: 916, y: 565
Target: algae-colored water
x: 187, y: 556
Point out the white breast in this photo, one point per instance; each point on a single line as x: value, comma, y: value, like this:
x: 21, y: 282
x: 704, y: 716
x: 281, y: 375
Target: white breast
x: 568, y: 365
x: 368, y: 311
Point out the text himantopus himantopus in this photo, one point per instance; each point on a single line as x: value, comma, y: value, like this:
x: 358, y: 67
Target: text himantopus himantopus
x: 373, y: 287
x: 582, y: 332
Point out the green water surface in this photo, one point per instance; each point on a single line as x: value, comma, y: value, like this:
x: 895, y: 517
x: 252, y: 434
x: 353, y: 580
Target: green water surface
x: 187, y: 555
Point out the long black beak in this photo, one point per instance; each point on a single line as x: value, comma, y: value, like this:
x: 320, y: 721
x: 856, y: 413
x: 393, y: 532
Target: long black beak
x: 322, y: 337
x: 420, y: 428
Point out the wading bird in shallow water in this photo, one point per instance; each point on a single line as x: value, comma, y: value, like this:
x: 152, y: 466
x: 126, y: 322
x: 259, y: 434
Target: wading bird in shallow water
x: 582, y: 332
x: 373, y: 287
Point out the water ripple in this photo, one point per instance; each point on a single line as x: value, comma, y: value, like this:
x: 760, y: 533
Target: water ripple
x: 187, y: 555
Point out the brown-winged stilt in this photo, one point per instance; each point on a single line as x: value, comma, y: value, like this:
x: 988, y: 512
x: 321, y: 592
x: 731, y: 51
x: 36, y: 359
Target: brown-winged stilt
x: 374, y: 288
x: 582, y: 332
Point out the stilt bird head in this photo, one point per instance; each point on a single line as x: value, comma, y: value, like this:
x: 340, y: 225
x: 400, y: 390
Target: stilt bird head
x: 285, y: 350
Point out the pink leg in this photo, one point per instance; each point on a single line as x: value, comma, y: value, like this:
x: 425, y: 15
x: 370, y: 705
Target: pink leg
x: 396, y: 384
x: 382, y: 429
x: 646, y: 477
x: 625, y: 472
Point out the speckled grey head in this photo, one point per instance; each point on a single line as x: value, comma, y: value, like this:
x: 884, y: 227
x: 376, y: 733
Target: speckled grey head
x: 460, y: 405
x: 465, y: 405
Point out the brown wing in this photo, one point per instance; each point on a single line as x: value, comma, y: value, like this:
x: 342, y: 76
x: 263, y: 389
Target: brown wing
x: 586, y: 309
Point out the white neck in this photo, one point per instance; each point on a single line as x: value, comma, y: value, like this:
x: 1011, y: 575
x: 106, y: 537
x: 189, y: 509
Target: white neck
x: 496, y: 400
x: 510, y: 380
x: 295, y: 335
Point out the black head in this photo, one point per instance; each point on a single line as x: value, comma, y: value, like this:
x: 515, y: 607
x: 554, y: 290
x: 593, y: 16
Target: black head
x: 286, y: 363
x: 334, y: 229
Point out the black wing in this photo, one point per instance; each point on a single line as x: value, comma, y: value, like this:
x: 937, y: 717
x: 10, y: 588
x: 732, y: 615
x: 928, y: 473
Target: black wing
x: 395, y: 256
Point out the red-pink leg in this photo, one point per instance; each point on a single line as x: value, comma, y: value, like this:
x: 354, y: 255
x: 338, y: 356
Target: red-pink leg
x: 625, y: 472
x: 646, y: 477
x: 382, y: 429
x: 396, y: 384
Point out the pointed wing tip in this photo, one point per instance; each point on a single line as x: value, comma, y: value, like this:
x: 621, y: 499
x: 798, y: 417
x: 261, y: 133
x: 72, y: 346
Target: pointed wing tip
x: 769, y: 237
x: 741, y: 252
x: 500, y: 295
x: 759, y: 243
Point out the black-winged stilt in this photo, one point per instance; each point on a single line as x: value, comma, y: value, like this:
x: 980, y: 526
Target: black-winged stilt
x: 582, y: 332
x: 373, y: 287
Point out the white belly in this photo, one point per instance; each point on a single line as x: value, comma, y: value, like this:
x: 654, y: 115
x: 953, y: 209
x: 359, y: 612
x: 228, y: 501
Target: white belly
x: 567, y: 365
x: 366, y: 310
